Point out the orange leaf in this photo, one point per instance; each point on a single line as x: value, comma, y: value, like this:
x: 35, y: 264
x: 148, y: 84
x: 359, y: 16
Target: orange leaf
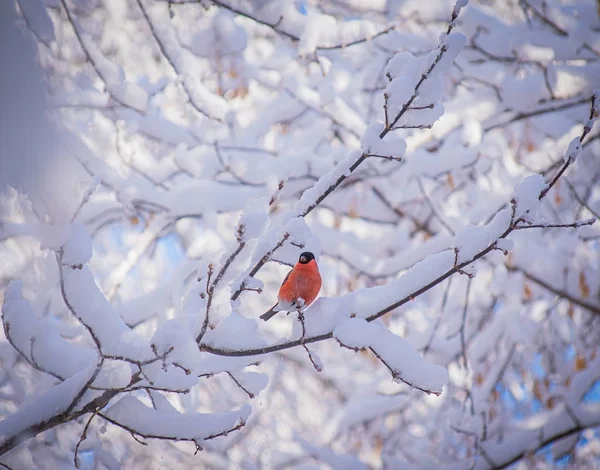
x: 583, y: 285
x: 337, y: 221
x: 580, y: 363
x: 527, y: 292
x: 557, y: 198
x: 352, y: 210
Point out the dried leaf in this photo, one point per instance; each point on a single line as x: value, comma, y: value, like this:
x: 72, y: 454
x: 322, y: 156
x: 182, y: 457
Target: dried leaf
x: 337, y: 221
x: 527, y: 294
x: 580, y: 362
x: 583, y: 285
x: 353, y: 210
x: 557, y: 198
x: 537, y: 390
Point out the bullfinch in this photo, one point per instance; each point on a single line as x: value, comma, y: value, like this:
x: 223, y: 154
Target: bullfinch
x: 299, y: 288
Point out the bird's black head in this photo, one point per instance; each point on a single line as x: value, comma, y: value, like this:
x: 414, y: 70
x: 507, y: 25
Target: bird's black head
x: 306, y: 257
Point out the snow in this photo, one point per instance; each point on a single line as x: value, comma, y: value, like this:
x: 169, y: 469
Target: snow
x: 315, y: 24
x: 253, y: 382
x: 91, y: 307
x: 331, y: 458
x: 113, y: 76
x: 78, y: 247
x: 472, y: 239
x: 38, y: 340
x: 505, y: 245
x: 472, y: 133
x: 460, y: 4
x: 406, y: 363
x: 354, y: 333
x: 133, y: 414
x: 255, y: 219
x: 572, y: 151
x: 114, y: 374
x: 362, y: 407
x: 235, y: 332
x: 176, y: 336
x: 527, y: 194
x: 199, y: 196
x: 454, y: 43
x: 372, y: 144
x: 310, y: 195
x: 38, y: 19
x: 289, y: 104
x: 403, y: 64
x: 48, y: 404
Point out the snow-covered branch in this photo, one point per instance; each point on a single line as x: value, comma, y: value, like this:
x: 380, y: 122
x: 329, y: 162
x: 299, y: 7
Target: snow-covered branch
x: 439, y: 159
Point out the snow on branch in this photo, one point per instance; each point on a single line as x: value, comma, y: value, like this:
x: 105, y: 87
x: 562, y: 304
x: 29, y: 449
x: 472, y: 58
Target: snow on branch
x: 405, y: 364
x: 207, y: 143
x: 412, y: 73
x: 50, y: 408
x: 313, y: 33
x: 416, y: 281
x: 141, y: 420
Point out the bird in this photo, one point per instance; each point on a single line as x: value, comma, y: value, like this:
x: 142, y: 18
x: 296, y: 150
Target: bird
x: 299, y: 288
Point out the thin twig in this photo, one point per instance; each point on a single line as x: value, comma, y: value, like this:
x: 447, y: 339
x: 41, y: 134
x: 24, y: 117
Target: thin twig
x: 81, y: 439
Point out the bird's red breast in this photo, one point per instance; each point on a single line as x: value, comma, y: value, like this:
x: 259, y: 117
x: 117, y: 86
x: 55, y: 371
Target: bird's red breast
x: 304, y: 281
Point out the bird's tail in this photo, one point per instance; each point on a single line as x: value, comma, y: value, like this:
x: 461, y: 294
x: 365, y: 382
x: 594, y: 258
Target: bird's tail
x: 269, y: 313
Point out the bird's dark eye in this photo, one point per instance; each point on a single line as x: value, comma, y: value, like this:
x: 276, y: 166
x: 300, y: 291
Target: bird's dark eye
x: 303, y: 259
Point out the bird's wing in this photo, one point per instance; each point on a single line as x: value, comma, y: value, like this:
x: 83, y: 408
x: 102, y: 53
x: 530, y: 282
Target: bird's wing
x: 286, y: 278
